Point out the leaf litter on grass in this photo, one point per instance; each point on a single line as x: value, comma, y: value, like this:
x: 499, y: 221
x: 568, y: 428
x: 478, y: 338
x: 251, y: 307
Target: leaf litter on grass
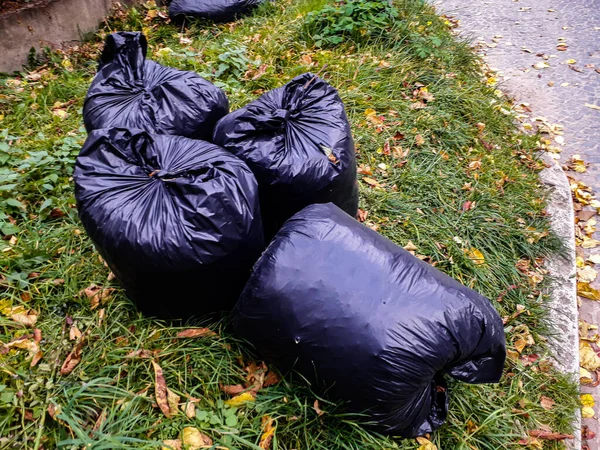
x: 421, y: 164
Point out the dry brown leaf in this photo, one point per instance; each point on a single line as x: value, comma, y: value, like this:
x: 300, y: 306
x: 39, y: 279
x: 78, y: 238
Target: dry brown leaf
x: 23, y: 316
x: 73, y: 358
x: 271, y: 379
x: 362, y: 215
x: 232, y: 389
x: 317, y: 409
x: 190, y: 410
x: 268, y: 433
x: 546, y: 402
x: 371, y: 181
x: 97, y: 295
x: 142, y: 354
x: 419, y: 140
x: 192, y: 333
x: 36, y: 359
x: 100, y: 420
x: 193, y: 439
x: 585, y: 290
x: 164, y: 397
x: 37, y: 335
x: 74, y: 333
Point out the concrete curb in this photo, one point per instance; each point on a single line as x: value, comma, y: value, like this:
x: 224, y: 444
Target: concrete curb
x: 563, y: 309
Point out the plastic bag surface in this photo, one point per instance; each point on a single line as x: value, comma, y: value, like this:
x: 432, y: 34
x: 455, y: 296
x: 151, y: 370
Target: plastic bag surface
x: 216, y: 10
x: 355, y: 313
x: 177, y: 220
x: 297, y: 141
x: 132, y: 92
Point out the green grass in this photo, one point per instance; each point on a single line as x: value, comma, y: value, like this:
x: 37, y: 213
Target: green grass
x: 436, y: 158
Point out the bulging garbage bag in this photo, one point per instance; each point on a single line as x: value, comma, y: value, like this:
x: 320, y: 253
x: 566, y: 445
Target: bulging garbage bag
x: 177, y: 220
x: 132, y: 92
x: 216, y: 10
x: 358, y: 315
x: 297, y: 141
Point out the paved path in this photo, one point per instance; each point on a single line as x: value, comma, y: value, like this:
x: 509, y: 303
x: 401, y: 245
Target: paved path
x: 561, y: 38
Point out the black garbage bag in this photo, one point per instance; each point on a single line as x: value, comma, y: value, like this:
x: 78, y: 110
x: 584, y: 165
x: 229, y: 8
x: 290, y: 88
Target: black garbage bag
x: 359, y: 316
x: 297, y: 141
x: 176, y: 219
x: 132, y: 92
x: 215, y: 10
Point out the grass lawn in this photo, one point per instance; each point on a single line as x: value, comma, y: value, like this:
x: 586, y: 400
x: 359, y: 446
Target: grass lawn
x: 443, y: 171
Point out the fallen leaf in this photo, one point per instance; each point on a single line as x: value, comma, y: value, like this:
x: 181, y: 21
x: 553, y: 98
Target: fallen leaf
x: 586, y: 274
x: 193, y: 439
x: 594, y: 259
x: 190, y: 410
x: 142, y: 354
x: 589, y: 242
x: 371, y: 182
x: 585, y: 290
x: 167, y: 401
x: 546, y: 402
x: 61, y: 113
x: 74, y: 333
x: 549, y: 435
x: 232, y: 389
x: 97, y: 295
x: 100, y: 420
x: 171, y: 444
x: 271, y: 379
x: 425, y: 444
x: 37, y: 335
x: 241, y: 399
x: 73, y: 358
x: 23, y: 316
x: 585, y: 376
x: 317, y: 409
x: 468, y: 205
x: 588, y: 359
x: 587, y: 412
x: 541, y: 65
x: 362, y: 215
x: 195, y: 333
x: 410, y: 247
x: 475, y: 255
x: 419, y: 140
x: 589, y: 105
x: 587, y: 400
x: 268, y: 433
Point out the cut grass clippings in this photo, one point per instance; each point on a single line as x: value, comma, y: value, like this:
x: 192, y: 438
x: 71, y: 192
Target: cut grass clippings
x: 442, y: 171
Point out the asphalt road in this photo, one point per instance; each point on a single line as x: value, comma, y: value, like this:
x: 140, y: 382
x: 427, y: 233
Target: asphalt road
x: 547, y: 55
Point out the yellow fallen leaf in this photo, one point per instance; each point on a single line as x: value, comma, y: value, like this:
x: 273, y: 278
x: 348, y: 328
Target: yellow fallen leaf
x: 193, y: 439
x: 578, y: 164
x: 579, y: 262
x: 585, y: 376
x: 585, y: 290
x: 241, y: 399
x: 371, y: 181
x: 589, y: 105
x: 587, y: 412
x: 171, y: 444
x: 410, y: 247
x: 370, y: 112
x: 541, y: 65
x: 476, y: 256
x: 588, y: 359
x: 570, y: 61
x: 589, y: 242
x: 425, y: 444
x: 586, y: 274
x: 268, y: 433
x: 587, y: 400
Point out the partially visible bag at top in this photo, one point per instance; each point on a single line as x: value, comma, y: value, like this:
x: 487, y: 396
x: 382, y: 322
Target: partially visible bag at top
x: 216, y: 10
x: 297, y: 141
x: 177, y: 220
x: 132, y: 92
x: 366, y: 321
